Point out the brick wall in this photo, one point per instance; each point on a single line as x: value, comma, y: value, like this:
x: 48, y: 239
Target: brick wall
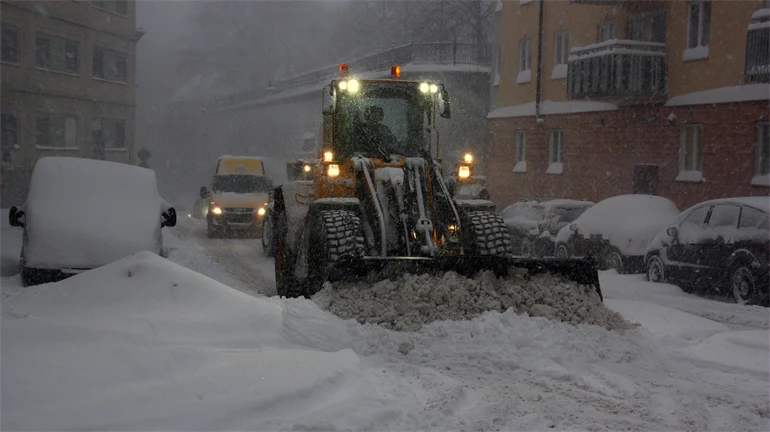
x: 602, y: 148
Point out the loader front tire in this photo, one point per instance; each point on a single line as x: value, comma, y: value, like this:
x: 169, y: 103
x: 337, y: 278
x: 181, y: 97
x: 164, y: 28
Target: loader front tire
x: 485, y: 233
x: 336, y: 234
x: 285, y: 284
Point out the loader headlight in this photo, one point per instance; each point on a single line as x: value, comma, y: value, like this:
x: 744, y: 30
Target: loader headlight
x: 468, y: 158
x: 334, y: 170
x: 261, y: 211
x: 452, y: 229
x: 424, y: 87
x: 353, y: 86
x: 328, y: 156
x: 216, y: 211
x: 433, y: 88
x: 464, y: 171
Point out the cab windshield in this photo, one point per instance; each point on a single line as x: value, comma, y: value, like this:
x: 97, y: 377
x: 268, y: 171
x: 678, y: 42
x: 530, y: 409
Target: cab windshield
x: 382, y: 119
x: 241, y: 184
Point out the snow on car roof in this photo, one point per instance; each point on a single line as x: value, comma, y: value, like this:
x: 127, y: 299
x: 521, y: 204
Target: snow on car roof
x: 762, y: 203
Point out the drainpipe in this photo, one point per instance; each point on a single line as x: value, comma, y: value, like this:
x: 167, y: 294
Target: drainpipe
x: 538, y: 78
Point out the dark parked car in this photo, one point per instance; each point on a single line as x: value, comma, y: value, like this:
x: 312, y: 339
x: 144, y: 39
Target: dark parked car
x: 616, y: 231
x: 534, y: 223
x: 716, y: 247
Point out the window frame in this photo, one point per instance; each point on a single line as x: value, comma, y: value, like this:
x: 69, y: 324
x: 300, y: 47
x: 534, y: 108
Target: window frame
x: 560, y: 153
x: 560, y: 49
x: 699, y: 37
x: 103, y: 50
x: 50, y: 37
x: 758, y: 150
x: 17, y: 31
x: 96, y: 5
x: 696, y: 164
x: 525, y: 54
x: 520, y: 151
x: 16, y: 114
x: 607, y: 25
x: 64, y: 115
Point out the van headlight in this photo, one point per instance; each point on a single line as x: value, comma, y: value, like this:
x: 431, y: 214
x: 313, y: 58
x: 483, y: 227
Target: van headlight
x: 216, y: 210
x: 261, y: 211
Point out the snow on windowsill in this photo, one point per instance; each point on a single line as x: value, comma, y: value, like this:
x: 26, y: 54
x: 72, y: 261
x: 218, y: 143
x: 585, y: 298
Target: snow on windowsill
x: 56, y: 148
x: 555, y: 168
x: 520, y: 167
x: 697, y: 53
x: 759, y: 25
x: 741, y: 93
x: 496, y: 81
x: 524, y: 77
x: 115, y: 150
x: 499, y: 6
x: 110, y: 81
x: 762, y: 13
x: 58, y: 72
x: 523, y: 2
x: 763, y: 180
x: 559, y: 71
x: 691, y: 176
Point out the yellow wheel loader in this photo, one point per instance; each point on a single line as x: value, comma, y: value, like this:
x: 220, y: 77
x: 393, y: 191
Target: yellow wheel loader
x: 379, y: 202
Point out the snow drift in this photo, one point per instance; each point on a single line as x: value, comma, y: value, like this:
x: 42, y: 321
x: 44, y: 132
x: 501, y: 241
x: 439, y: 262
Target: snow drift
x: 409, y: 301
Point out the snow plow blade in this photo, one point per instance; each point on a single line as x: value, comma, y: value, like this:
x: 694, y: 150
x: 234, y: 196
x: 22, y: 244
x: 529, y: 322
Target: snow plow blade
x: 580, y: 271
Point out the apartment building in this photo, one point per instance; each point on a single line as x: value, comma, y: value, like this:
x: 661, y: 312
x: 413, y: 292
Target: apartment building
x: 596, y: 98
x: 68, y: 84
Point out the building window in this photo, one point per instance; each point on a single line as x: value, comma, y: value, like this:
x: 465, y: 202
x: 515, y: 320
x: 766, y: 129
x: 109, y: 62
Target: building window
x: 114, y: 6
x: 56, y: 131
x: 108, y: 134
x: 521, y: 152
x: 57, y: 54
x: 109, y: 65
x: 496, y: 72
x: 606, y: 31
x: 561, y: 52
x: 10, y: 44
x: 525, y: 61
x: 647, y: 27
x: 762, y: 156
x: 690, y: 153
x: 9, y: 137
x: 556, y: 153
x: 698, y: 30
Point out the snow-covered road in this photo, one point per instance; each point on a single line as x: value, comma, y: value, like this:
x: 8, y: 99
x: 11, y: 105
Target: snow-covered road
x: 144, y: 344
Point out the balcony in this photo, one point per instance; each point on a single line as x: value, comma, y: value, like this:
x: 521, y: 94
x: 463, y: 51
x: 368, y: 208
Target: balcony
x: 617, y: 69
x: 758, y: 48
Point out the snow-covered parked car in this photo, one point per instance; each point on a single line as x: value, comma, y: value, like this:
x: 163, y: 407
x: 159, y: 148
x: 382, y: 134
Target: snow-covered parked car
x: 616, y: 231
x: 716, y: 247
x: 534, y: 223
x: 84, y: 213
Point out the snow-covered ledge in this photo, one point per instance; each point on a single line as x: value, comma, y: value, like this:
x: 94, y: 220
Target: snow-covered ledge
x: 524, y: 77
x: 691, y: 176
x: 523, y: 2
x: 559, y: 71
x: 763, y: 180
x: 555, y: 168
x: 697, y: 53
x: 520, y: 167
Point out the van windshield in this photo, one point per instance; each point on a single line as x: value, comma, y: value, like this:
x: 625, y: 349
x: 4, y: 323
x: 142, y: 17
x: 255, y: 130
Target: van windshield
x: 241, y: 184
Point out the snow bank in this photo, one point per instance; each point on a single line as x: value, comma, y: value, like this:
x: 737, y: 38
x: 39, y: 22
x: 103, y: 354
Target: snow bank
x: 82, y: 213
x: 628, y: 222
x: 409, y: 301
x: 747, y: 350
x: 144, y: 344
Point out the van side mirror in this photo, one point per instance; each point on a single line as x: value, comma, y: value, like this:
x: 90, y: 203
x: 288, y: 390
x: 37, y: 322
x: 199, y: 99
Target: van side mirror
x: 443, y: 103
x: 672, y: 232
x: 169, y: 218
x: 204, y: 193
x: 14, y: 217
x: 329, y: 100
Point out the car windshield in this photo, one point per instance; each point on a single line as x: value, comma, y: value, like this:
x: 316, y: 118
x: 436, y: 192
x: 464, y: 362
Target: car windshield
x: 241, y: 184
x: 380, y: 119
x: 569, y: 214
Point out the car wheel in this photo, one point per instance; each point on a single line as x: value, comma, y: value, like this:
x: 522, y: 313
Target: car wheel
x: 614, y: 260
x: 656, y: 270
x: 742, y: 286
x: 526, y: 247
x: 562, y: 252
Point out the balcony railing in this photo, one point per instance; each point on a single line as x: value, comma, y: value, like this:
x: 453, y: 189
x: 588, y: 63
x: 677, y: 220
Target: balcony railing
x: 436, y: 53
x: 758, y: 48
x: 617, y: 69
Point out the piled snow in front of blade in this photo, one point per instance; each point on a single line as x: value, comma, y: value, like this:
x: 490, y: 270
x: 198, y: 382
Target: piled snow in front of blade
x: 408, y: 301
